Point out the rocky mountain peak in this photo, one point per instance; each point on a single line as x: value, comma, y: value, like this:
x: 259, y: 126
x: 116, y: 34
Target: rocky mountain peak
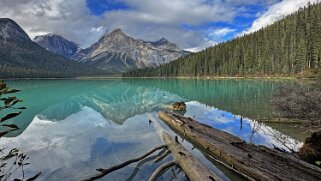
x: 116, y: 46
x: 116, y: 33
x: 113, y: 37
x: 57, y: 44
x: 9, y: 29
x: 48, y: 35
x: 162, y: 41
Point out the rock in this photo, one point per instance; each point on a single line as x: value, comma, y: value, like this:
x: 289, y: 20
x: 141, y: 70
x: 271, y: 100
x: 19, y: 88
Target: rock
x: 311, y: 149
x: 129, y: 52
x: 57, y: 44
x: 179, y: 106
x: 10, y: 30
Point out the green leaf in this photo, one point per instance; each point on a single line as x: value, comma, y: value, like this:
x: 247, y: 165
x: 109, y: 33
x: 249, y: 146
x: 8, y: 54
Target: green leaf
x: 9, y: 116
x: 20, y: 108
x: 3, y: 133
x: 9, y: 100
x: 11, y: 91
x: 3, y: 85
x: 318, y: 163
x: 13, y: 126
x: 15, y: 102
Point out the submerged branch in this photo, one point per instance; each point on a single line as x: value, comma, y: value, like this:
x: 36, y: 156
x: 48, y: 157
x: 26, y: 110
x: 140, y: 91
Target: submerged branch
x: 255, y: 161
x: 105, y: 171
x: 160, y: 169
x: 193, y: 168
x: 162, y: 156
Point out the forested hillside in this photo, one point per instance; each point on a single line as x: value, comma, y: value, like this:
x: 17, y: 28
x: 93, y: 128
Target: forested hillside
x: 290, y: 46
x: 22, y: 58
x: 28, y: 60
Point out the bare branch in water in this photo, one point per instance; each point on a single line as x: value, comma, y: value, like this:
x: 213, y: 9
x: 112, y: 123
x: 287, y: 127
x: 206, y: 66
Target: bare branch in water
x: 105, y: 171
x: 160, y: 169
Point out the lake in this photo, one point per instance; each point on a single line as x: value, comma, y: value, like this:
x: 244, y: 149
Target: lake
x: 72, y: 127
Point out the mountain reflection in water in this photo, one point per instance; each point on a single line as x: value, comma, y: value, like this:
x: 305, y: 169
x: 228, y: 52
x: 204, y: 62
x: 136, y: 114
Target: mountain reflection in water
x: 73, y: 125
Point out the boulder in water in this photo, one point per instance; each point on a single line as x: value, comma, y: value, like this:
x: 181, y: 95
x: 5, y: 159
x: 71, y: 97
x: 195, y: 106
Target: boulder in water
x: 179, y: 106
x: 311, y: 149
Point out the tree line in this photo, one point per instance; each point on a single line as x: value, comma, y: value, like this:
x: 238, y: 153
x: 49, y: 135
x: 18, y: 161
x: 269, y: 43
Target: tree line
x: 26, y: 59
x: 288, y: 47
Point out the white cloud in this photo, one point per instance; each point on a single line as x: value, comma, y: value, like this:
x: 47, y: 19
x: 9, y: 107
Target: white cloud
x: 144, y: 19
x: 68, y: 18
x: 222, y: 32
x: 276, y: 12
x: 206, y: 44
x: 99, y: 29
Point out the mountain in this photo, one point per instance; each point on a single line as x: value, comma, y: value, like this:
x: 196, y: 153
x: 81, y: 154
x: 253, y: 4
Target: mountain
x: 57, y: 44
x: 20, y: 57
x: 118, y: 52
x: 289, y: 47
x: 10, y: 30
x: 164, y: 44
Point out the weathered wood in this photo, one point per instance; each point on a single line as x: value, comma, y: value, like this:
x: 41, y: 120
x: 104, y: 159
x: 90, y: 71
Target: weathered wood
x: 192, y: 167
x: 285, y: 120
x: 160, y: 169
x: 105, y: 171
x: 256, y: 162
x: 162, y: 156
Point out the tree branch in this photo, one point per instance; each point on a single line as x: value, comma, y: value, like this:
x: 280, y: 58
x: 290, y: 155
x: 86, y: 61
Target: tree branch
x: 160, y: 169
x: 105, y: 171
x: 162, y: 156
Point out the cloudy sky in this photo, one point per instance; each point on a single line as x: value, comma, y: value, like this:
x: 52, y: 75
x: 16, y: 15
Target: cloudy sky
x: 189, y: 23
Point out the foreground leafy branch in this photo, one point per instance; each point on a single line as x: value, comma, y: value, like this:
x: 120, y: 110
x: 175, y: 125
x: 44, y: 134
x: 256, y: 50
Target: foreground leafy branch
x: 13, y: 160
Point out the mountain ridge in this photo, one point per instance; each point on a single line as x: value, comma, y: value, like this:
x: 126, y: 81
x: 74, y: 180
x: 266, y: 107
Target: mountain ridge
x: 135, y: 53
x: 115, y: 51
x: 9, y: 29
x: 288, y: 47
x: 21, y: 57
x: 57, y: 44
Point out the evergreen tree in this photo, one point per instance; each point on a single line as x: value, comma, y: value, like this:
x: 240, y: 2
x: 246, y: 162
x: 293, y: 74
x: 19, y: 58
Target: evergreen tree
x: 290, y: 46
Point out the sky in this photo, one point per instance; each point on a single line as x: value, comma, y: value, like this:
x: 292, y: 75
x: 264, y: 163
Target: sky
x: 191, y: 24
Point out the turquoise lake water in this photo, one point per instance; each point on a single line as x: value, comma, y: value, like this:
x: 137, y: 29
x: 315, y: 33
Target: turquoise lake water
x: 72, y: 127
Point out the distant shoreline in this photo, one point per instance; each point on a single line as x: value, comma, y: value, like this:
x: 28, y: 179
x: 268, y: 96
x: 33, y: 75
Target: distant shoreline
x: 183, y: 78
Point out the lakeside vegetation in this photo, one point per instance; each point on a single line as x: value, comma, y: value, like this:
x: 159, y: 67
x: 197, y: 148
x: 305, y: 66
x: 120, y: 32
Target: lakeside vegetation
x: 300, y: 101
x: 289, y: 47
x: 12, y: 160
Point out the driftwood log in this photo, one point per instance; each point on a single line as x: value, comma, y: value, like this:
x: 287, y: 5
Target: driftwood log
x: 255, y: 162
x: 285, y: 120
x: 105, y: 171
x: 192, y: 167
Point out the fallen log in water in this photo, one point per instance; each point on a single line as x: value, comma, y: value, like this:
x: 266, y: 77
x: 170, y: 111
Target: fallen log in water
x: 285, y: 120
x: 256, y: 162
x: 106, y: 171
x: 192, y: 167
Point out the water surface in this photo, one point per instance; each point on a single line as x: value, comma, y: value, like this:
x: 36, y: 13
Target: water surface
x: 72, y: 127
